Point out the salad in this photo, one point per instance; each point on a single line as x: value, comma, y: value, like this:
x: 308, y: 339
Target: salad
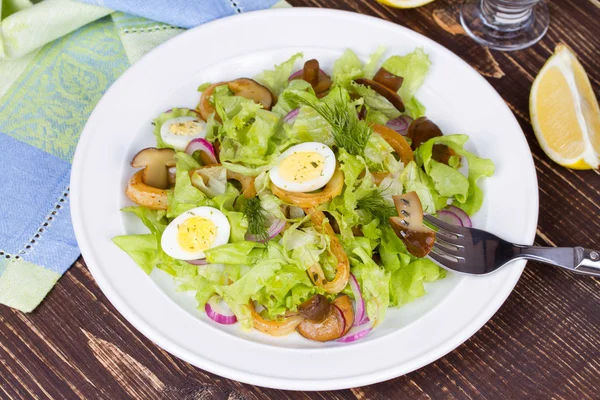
x: 293, y: 201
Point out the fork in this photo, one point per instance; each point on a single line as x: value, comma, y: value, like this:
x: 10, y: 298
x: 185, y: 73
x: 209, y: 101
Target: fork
x: 477, y: 252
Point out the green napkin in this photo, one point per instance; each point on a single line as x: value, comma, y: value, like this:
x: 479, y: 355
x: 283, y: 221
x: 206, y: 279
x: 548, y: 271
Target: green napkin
x: 57, y: 58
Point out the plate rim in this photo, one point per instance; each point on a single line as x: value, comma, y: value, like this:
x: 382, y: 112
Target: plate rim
x: 261, y: 380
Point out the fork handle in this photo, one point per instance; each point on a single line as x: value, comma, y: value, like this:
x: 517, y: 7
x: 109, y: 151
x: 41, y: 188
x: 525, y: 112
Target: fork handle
x: 575, y: 259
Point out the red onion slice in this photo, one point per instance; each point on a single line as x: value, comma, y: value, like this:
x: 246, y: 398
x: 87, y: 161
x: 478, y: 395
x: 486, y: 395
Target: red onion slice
x: 400, y: 124
x: 355, y: 333
x: 291, y: 116
x: 298, y: 74
x: 274, y: 230
x: 203, y: 146
x: 201, y: 261
x: 218, y: 311
x: 360, y: 317
x: 449, y: 217
x: 463, y: 216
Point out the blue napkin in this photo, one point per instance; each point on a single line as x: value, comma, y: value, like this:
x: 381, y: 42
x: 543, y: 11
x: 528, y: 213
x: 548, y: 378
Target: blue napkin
x: 183, y: 13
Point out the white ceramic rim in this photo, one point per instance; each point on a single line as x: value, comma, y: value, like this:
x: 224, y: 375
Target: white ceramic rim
x: 456, y: 332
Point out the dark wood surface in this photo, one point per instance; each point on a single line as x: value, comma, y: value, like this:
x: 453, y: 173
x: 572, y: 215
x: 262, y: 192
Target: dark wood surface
x: 543, y: 343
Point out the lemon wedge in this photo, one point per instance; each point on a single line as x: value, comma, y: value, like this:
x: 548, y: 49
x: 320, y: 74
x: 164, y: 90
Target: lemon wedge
x: 564, y: 112
x: 404, y: 3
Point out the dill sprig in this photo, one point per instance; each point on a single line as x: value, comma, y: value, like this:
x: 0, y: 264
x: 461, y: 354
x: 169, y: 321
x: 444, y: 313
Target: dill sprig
x: 377, y: 206
x: 349, y: 132
x: 255, y: 215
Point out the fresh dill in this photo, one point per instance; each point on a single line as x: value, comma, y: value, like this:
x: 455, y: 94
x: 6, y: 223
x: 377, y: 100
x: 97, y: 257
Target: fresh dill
x: 255, y: 215
x: 349, y: 132
x: 377, y: 206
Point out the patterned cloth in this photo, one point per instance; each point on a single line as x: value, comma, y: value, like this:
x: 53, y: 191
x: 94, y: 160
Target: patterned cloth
x: 46, y: 96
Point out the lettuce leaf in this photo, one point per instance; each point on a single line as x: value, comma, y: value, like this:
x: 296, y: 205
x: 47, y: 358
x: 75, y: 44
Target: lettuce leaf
x: 349, y: 67
x: 374, y: 284
x: 285, y: 290
x: 449, y: 181
x: 413, y: 67
x: 277, y: 79
x: 406, y: 283
x: 375, y: 101
x: 311, y: 127
x: 415, y: 179
x: 184, y: 195
x: 141, y: 248
x: 346, y: 68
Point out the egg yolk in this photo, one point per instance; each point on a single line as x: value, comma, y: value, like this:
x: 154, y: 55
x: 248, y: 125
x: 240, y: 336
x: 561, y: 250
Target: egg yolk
x: 185, y: 128
x: 196, y: 234
x: 302, y: 166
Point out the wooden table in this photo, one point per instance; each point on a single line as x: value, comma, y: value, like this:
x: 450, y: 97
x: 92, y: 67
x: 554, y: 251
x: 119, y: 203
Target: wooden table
x: 543, y: 343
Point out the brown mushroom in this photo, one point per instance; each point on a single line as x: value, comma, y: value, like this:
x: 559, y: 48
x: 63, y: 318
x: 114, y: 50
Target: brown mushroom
x: 389, y: 94
x: 155, y: 162
x: 336, y: 322
x: 408, y: 225
x: 397, y: 141
x: 250, y: 89
x: 344, y: 304
x: 388, y: 79
x: 421, y: 130
x: 144, y: 195
x: 316, y: 308
x: 313, y: 74
x: 277, y: 327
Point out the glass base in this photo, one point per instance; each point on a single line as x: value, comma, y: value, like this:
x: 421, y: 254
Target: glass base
x: 505, y: 37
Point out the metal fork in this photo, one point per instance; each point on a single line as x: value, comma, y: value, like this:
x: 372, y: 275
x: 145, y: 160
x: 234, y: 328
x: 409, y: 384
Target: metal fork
x: 473, y: 251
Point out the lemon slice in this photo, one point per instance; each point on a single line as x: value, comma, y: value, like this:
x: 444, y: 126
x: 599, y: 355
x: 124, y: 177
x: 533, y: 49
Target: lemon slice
x: 404, y: 3
x: 565, y: 113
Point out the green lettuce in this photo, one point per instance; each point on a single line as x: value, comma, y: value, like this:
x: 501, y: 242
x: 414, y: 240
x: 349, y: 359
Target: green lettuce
x: 406, y: 283
x: 349, y: 67
x: 285, y: 290
x: 141, y: 248
x: 449, y: 181
x: 374, y: 284
x: 415, y: 179
x: 311, y: 127
x: 413, y: 67
x: 277, y: 79
x: 184, y: 195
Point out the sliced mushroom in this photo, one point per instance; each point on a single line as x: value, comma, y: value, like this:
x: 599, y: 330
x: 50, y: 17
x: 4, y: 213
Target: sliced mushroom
x: 205, y: 107
x: 335, y: 323
x: 279, y: 327
x: 344, y: 304
x: 386, y: 92
x: 155, y: 162
x: 247, y: 182
x: 145, y: 195
x: 331, y: 327
x: 313, y: 74
x: 397, y: 141
x: 316, y: 308
x: 408, y: 225
x: 388, y: 79
x: 250, y: 89
x: 421, y: 130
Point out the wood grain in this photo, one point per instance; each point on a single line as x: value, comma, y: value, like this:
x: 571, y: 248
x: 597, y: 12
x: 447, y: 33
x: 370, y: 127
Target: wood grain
x: 543, y: 343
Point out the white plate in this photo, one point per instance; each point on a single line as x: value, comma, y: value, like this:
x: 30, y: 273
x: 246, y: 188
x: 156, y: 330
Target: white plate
x: 457, y: 99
